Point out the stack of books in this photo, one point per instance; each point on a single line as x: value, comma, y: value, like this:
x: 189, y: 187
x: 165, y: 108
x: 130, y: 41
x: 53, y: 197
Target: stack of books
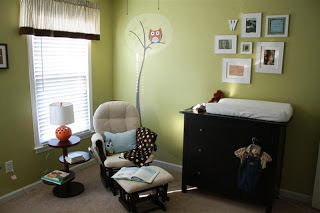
x: 74, y: 158
x: 57, y: 177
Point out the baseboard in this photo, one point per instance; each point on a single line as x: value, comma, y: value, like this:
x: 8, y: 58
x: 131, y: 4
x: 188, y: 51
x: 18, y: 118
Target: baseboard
x: 22, y: 191
x: 164, y: 164
x: 296, y: 196
x: 36, y: 185
x: 283, y: 192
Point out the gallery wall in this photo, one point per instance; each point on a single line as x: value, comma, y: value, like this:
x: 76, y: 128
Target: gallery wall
x: 16, y: 138
x: 188, y: 72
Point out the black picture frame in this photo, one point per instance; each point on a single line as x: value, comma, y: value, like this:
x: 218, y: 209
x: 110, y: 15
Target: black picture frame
x: 4, y: 62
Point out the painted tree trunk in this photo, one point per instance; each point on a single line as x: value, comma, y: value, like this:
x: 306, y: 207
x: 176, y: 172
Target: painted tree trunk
x: 138, y: 87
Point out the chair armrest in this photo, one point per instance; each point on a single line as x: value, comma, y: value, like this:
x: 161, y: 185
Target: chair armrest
x: 98, y: 148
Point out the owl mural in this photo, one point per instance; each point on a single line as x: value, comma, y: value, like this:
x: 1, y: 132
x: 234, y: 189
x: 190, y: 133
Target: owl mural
x: 155, y: 36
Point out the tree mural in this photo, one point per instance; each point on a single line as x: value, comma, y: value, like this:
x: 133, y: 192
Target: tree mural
x: 155, y: 37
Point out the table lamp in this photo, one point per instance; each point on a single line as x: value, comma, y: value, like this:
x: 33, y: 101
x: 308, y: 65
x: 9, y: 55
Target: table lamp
x: 61, y: 113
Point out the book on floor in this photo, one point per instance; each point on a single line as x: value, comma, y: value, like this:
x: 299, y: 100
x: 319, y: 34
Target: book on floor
x: 144, y: 174
x: 74, y: 158
x: 57, y: 176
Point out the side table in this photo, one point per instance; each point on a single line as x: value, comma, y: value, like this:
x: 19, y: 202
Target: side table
x: 68, y: 189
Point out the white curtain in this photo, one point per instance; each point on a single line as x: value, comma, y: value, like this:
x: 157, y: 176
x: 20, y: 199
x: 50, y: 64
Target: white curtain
x: 42, y: 17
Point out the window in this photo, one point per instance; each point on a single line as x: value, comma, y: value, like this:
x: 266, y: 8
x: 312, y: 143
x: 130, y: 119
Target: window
x: 59, y: 71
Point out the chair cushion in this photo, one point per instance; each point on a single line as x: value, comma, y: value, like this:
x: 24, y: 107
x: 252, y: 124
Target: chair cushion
x: 115, y: 162
x: 162, y: 178
x: 115, y: 116
x: 122, y: 142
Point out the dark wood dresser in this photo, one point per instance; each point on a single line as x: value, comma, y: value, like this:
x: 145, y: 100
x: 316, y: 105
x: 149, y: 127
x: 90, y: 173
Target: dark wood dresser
x: 208, y: 154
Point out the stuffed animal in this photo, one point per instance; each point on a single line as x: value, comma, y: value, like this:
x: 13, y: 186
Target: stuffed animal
x: 109, y: 148
x: 216, y: 97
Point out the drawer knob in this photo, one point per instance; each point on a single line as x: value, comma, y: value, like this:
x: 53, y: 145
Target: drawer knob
x: 200, y: 150
x: 201, y: 130
x: 198, y: 173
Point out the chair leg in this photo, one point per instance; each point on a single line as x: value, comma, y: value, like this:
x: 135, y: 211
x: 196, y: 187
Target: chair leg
x: 164, y: 193
x: 155, y: 197
x: 132, y: 201
x: 111, y: 182
x: 124, y: 200
x: 103, y: 176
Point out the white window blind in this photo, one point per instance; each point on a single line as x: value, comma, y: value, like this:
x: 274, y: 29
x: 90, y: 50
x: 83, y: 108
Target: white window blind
x: 60, y: 72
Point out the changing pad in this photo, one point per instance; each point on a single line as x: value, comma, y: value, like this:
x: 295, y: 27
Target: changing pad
x: 262, y: 110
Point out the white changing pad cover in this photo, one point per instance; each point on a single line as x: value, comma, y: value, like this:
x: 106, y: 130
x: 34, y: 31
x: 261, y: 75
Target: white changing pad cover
x: 262, y: 110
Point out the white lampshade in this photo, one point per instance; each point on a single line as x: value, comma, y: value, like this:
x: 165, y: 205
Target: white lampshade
x: 61, y: 113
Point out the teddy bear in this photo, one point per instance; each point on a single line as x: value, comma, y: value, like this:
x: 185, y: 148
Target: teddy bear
x: 216, y: 97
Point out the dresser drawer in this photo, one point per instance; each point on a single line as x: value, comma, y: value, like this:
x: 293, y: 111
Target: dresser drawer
x: 237, y: 132
x: 211, y: 175
x: 204, y: 129
x: 211, y: 155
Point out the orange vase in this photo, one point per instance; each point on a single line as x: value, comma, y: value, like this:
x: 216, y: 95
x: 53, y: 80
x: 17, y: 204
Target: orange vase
x: 63, y: 133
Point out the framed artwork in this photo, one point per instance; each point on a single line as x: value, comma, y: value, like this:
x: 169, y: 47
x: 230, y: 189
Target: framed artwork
x: 4, y: 56
x: 236, y: 70
x: 226, y: 44
x: 277, y: 26
x: 246, y: 48
x: 251, y: 25
x: 269, y: 57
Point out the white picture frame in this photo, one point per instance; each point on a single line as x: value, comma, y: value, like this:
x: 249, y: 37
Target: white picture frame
x: 277, y: 26
x: 246, y: 48
x: 225, y: 44
x: 251, y: 25
x: 269, y: 57
x: 236, y: 70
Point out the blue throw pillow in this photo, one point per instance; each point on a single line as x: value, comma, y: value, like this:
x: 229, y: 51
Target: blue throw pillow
x: 122, y: 142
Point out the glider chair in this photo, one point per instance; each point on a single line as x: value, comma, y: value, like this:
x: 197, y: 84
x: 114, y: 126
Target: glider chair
x: 113, y: 117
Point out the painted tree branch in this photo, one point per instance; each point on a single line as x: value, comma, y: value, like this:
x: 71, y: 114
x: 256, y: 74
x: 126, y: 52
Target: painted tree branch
x: 154, y: 43
x: 144, y: 35
x: 137, y: 37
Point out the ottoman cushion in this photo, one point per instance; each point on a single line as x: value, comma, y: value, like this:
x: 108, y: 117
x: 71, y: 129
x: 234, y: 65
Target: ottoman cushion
x: 162, y: 178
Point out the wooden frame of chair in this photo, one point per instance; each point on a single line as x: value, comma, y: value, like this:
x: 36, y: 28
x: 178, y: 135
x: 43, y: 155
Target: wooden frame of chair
x: 129, y: 201
x: 107, y: 172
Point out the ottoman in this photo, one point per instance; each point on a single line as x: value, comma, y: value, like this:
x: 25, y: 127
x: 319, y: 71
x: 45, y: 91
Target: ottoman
x: 129, y: 191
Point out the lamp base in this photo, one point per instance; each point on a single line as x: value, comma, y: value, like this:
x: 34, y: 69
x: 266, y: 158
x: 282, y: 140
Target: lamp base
x: 63, y: 133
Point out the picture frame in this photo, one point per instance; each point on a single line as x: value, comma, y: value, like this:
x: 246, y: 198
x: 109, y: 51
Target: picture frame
x: 4, y: 56
x: 236, y: 70
x: 246, y: 48
x: 277, y: 26
x: 226, y: 44
x: 269, y: 57
x: 251, y: 25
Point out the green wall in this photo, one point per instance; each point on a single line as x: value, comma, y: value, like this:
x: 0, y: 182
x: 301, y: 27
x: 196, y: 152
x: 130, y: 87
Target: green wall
x: 16, y: 138
x: 188, y: 72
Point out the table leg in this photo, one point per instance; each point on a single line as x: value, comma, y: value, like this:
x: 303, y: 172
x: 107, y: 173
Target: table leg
x: 65, y: 154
